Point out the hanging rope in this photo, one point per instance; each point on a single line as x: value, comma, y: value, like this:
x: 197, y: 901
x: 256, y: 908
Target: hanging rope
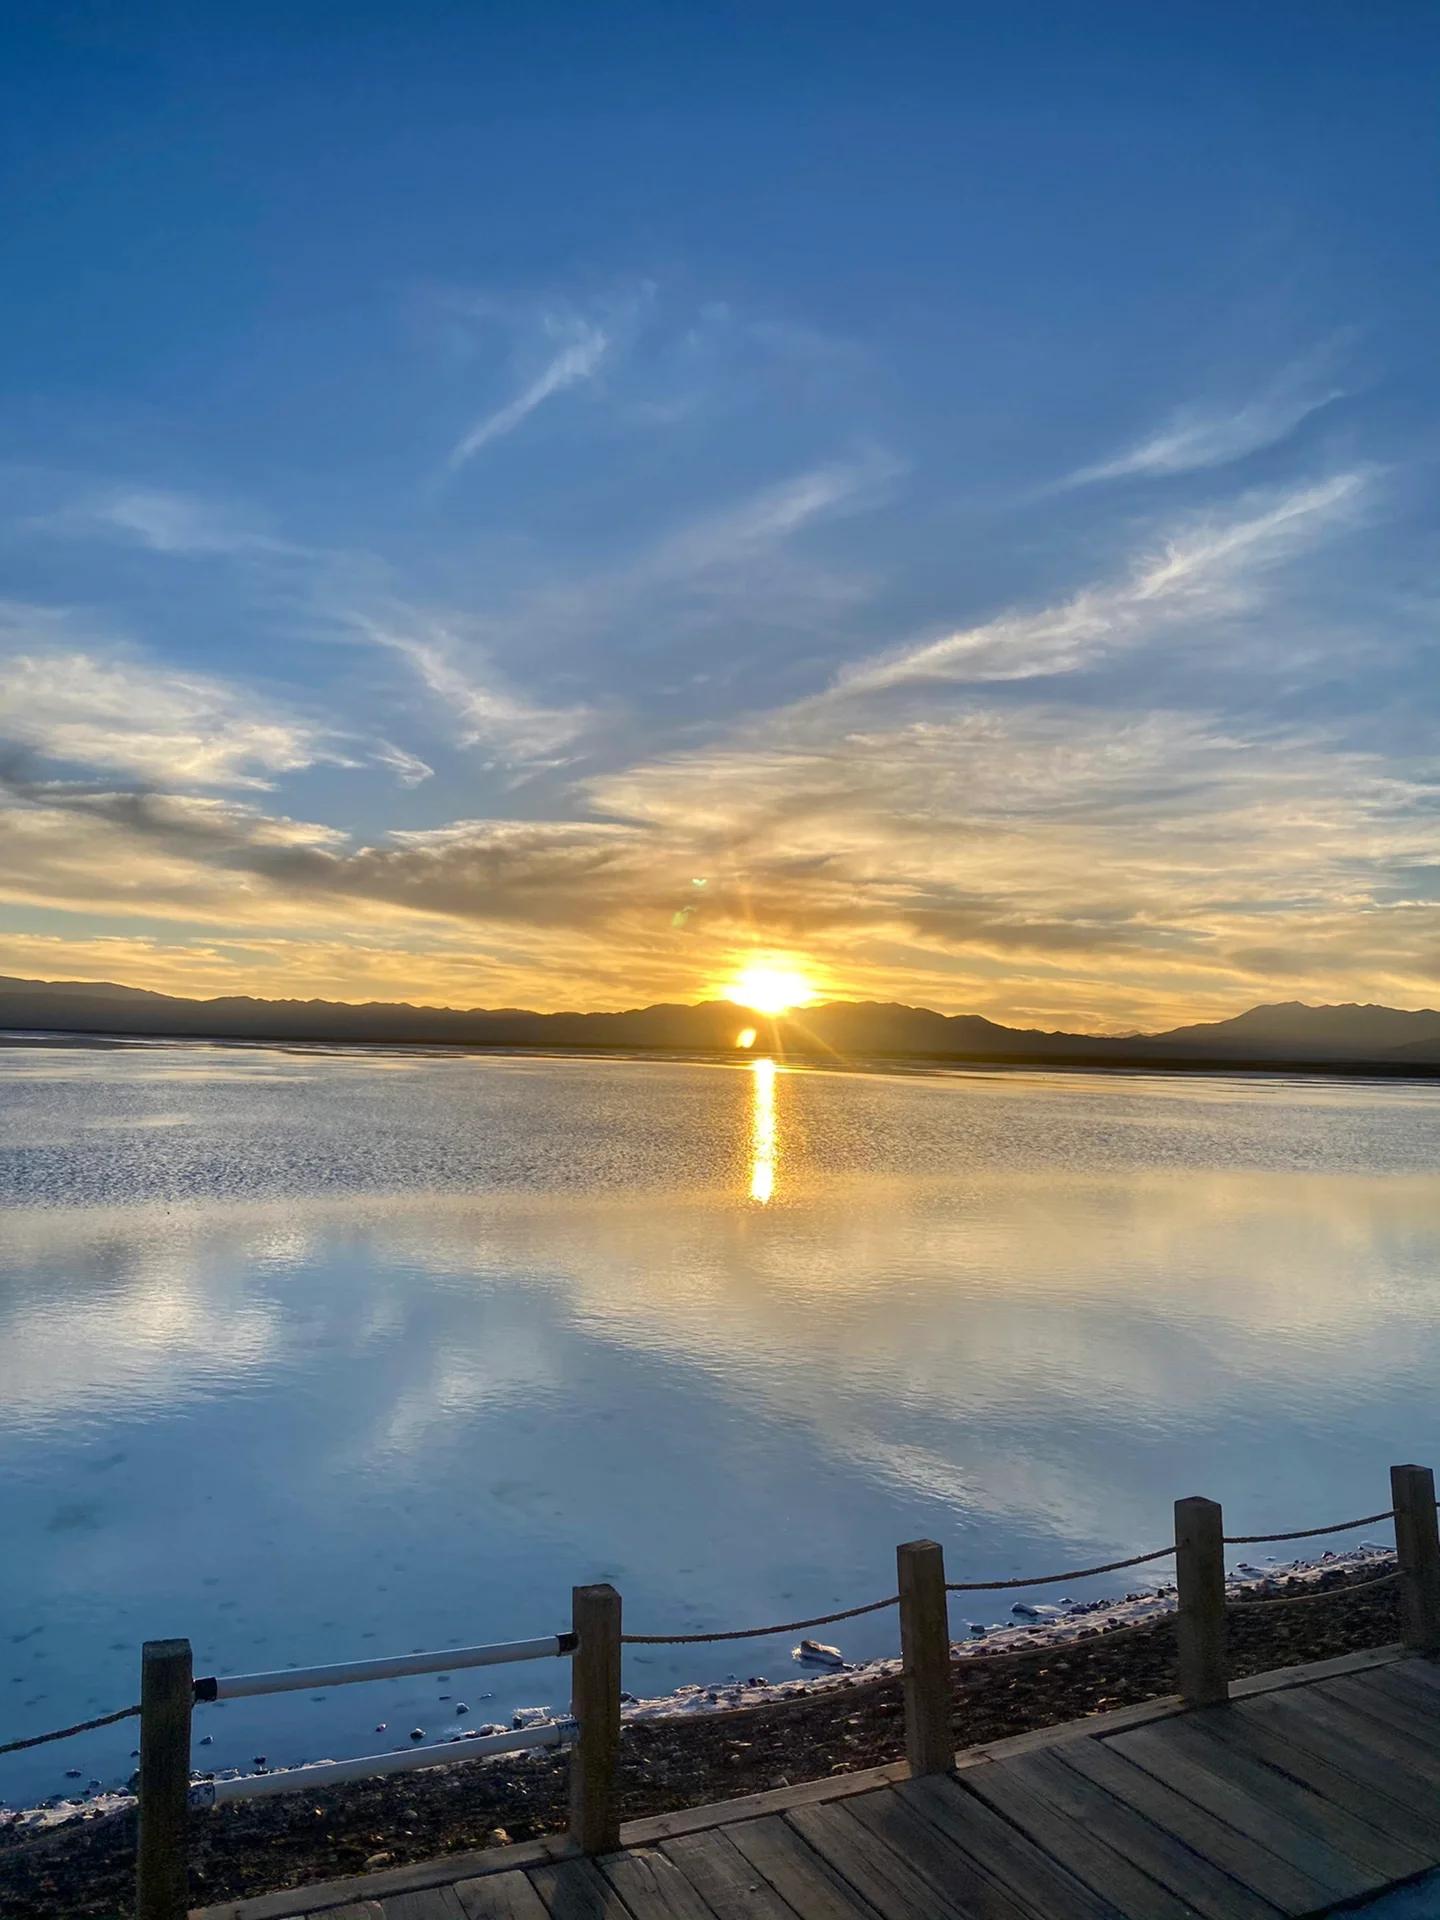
x: 1306, y: 1533
x: 1056, y: 1579
x: 64, y: 1733
x: 754, y: 1633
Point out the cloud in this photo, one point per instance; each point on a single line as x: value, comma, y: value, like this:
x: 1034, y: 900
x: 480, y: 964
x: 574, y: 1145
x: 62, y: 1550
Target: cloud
x: 581, y: 349
x: 717, y: 572
x: 453, y: 666
x: 665, y: 356
x: 154, y: 723
x: 917, y: 829
x: 408, y: 769
x: 771, y: 516
x: 1047, y: 859
x: 160, y: 519
x: 1207, y: 567
x: 1197, y: 438
x: 80, y: 699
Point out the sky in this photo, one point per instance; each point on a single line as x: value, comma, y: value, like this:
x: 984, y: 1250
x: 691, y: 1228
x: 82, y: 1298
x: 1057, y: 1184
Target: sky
x: 546, y: 504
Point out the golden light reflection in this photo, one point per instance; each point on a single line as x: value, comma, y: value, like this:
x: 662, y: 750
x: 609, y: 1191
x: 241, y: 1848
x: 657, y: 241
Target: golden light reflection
x: 762, y: 1131
x: 745, y: 1037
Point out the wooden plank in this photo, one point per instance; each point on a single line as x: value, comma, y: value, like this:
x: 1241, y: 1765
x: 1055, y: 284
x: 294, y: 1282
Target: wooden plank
x: 752, y: 1806
x: 1040, y: 1883
x: 1310, y: 1672
x: 1355, y: 1745
x: 652, y: 1886
x: 1042, y: 1739
x: 796, y: 1872
x: 1159, y: 1751
x: 725, y: 1878
x: 1356, y: 1785
x: 1336, y: 1822
x: 356, y: 1910
x: 1399, y: 1752
x: 500, y: 1896
x: 1396, y: 1690
x: 922, y: 1845
x: 1097, y: 1726
x: 577, y: 1890
x: 890, y: 1884
x: 1390, y: 1709
x: 1287, y: 1887
x: 1198, y: 1882
x: 1423, y: 1669
x: 1075, y: 1845
x: 429, y: 1903
x: 326, y: 1895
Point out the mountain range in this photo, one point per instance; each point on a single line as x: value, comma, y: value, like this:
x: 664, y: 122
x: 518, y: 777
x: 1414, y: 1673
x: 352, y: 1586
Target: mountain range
x: 1290, y: 1033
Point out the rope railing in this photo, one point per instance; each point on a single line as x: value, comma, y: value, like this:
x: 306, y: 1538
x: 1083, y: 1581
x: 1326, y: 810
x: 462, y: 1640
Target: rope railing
x: 755, y: 1633
x: 1307, y: 1533
x: 1057, y: 1579
x: 1016, y: 1583
x: 66, y: 1733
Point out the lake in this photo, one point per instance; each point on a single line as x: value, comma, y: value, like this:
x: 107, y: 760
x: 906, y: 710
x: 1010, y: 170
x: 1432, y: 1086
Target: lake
x: 317, y: 1354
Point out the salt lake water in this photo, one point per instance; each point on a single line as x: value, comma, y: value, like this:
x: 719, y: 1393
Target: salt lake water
x: 314, y: 1355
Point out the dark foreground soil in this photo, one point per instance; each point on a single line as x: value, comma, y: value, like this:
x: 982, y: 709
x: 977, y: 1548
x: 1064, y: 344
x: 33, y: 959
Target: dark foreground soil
x: 83, y: 1871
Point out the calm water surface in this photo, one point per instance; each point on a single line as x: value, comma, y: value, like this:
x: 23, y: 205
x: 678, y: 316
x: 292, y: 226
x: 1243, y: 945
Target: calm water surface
x: 313, y: 1355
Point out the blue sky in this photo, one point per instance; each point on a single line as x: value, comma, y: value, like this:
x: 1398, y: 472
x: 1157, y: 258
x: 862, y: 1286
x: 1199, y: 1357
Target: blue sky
x: 958, y: 482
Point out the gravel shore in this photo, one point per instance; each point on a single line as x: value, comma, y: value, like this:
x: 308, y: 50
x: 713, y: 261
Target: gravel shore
x: 83, y: 1870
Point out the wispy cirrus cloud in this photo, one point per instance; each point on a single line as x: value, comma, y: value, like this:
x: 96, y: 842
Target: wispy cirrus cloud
x: 579, y: 346
x: 408, y: 768
x: 162, y: 519
x: 454, y: 667
x: 1209, y: 565
x: 1195, y: 438
x: 773, y: 515
x: 717, y: 570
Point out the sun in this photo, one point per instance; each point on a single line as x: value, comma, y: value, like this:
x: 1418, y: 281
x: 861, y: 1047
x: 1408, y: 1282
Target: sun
x: 769, y: 989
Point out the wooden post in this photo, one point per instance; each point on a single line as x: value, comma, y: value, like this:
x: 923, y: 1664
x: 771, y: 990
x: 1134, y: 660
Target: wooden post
x: 925, y: 1656
x: 1417, y: 1547
x: 1200, y: 1618
x: 595, y: 1703
x: 162, y: 1880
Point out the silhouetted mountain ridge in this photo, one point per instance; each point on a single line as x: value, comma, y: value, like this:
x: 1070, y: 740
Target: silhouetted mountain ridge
x: 1288, y: 1031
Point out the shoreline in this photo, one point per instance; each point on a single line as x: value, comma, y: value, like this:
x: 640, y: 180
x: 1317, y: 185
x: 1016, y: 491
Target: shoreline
x: 696, y: 1745
x: 914, y: 1060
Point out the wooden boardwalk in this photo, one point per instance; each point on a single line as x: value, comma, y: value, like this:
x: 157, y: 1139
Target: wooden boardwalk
x: 1313, y: 1788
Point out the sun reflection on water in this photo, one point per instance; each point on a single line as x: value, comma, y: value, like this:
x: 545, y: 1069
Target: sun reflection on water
x: 762, y: 1131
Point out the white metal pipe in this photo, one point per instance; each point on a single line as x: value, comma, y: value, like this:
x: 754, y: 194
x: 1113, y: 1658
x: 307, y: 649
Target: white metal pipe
x: 449, y: 1753
x: 237, y: 1686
